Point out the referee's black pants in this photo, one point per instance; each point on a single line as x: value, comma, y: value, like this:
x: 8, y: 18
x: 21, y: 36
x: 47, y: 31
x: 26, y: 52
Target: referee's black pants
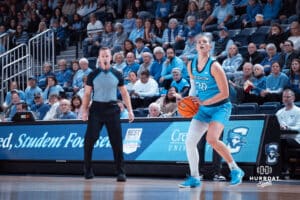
x: 100, y: 114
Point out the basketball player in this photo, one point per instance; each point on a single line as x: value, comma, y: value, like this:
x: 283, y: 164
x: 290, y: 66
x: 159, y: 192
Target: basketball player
x: 209, y: 89
x: 104, y: 82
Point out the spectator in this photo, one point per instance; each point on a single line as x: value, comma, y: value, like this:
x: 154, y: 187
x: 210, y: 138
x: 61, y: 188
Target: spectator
x: 131, y: 65
x: 206, y: 11
x: 270, y: 57
x: 147, y: 58
x: 81, y: 91
x: 145, y: 91
x: 47, y: 71
x: 178, y: 9
x: 132, y: 76
x: 90, y: 7
x: 171, y: 62
x: 21, y: 107
x: 139, y: 9
x: 78, y: 77
x: 94, y: 29
x: 52, y: 88
x: 57, y: 14
x: 222, y: 45
x: 42, y: 28
x: 13, y: 87
x: 76, y: 29
x: 33, y: 24
x: 192, y: 26
x: 59, y: 36
x: 270, y: 11
x: 65, y: 110
x: 119, y: 61
x: 148, y: 30
x: 22, y: 20
x: 154, y: 110
x: 75, y: 67
x: 275, y: 83
x: 193, y: 10
x: 140, y: 49
x: 233, y: 61
x: 105, y: 40
x: 294, y: 34
x: 253, y: 56
x: 64, y: 75
x: 76, y: 103
x: 163, y: 9
x: 12, y: 26
x: 253, y: 8
x: 253, y: 88
x: 129, y: 21
x: 159, y: 59
x: 224, y: 13
x: 289, y: 119
x: 11, y: 109
x: 287, y: 55
x: 31, y: 89
x: 157, y: 33
x: 39, y: 108
x: 189, y: 50
x: 138, y: 30
x: 168, y: 102
x: 52, y: 113
x: 236, y: 87
x: 294, y: 78
x: 128, y: 46
x: 45, y: 11
x: 288, y: 13
x: 81, y: 8
x: 118, y: 38
x: 182, y: 85
x: 170, y: 33
x: 275, y: 36
x: 69, y: 9
x: 20, y: 36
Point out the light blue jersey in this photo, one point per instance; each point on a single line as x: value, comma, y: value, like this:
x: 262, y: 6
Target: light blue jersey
x: 207, y: 87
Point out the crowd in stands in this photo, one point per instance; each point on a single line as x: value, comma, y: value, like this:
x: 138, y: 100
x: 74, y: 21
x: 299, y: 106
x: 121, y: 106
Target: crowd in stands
x: 257, y: 43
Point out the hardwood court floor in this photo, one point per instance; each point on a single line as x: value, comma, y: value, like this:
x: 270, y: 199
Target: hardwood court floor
x: 106, y: 188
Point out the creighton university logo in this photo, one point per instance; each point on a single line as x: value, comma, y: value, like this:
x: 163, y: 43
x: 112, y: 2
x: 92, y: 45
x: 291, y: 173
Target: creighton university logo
x: 272, y: 154
x: 236, y: 138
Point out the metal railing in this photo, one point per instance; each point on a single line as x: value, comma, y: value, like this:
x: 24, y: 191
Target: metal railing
x: 4, y: 42
x: 14, y: 64
x: 42, y: 49
x: 25, y: 60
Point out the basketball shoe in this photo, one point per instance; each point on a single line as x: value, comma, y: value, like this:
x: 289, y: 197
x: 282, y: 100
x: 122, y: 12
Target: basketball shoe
x: 190, y: 182
x: 236, y: 176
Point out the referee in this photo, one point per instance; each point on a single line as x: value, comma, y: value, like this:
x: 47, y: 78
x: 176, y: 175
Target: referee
x: 104, y: 110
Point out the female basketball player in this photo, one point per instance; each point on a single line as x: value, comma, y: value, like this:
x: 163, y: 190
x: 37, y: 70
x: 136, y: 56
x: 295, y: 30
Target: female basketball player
x: 209, y: 89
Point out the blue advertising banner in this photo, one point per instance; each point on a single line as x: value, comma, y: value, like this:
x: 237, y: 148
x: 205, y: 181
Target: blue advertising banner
x: 143, y: 141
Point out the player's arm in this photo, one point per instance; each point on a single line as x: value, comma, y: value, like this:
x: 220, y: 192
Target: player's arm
x: 126, y: 99
x: 86, y: 101
x: 221, y: 80
x: 192, y: 91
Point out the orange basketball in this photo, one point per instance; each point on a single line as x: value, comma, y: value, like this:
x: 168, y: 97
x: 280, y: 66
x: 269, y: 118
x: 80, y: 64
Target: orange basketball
x: 187, y: 108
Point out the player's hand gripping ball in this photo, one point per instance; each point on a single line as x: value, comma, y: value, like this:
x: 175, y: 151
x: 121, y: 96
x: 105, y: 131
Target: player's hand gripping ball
x: 187, y: 107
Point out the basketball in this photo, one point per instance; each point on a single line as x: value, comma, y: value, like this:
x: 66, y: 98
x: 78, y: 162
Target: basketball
x: 187, y: 108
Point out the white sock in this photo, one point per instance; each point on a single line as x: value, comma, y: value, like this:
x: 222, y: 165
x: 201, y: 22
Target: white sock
x: 195, y: 132
x: 232, y: 165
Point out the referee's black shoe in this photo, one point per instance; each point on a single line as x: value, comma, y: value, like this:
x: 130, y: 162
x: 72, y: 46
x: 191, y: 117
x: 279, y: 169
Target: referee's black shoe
x: 121, y: 177
x: 88, y: 174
